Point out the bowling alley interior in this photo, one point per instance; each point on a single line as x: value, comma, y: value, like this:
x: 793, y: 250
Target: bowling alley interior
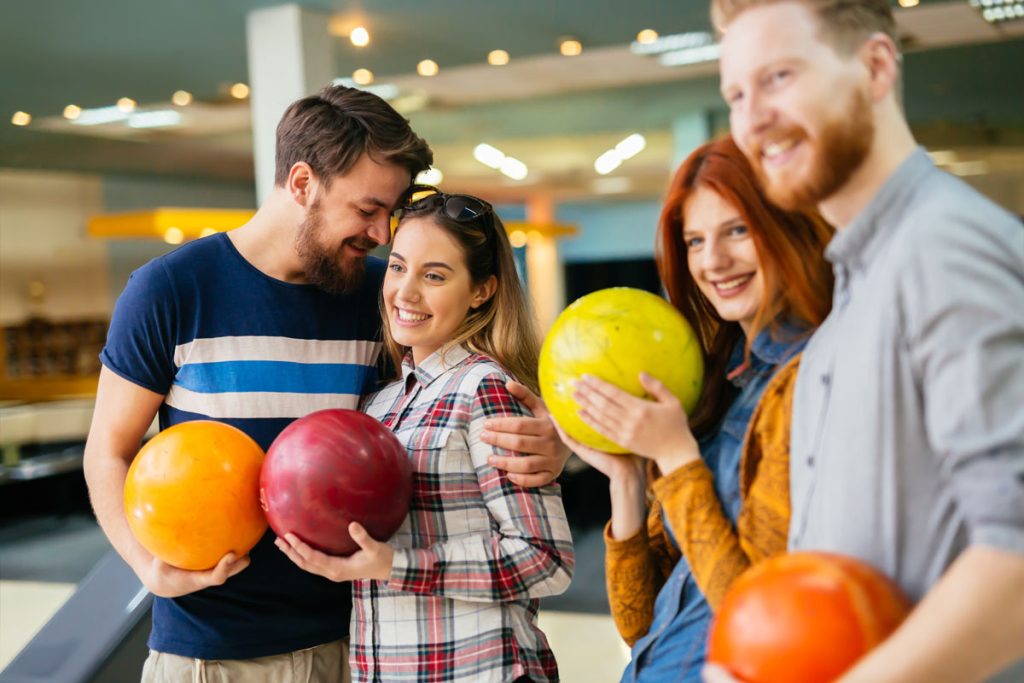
x: 130, y: 129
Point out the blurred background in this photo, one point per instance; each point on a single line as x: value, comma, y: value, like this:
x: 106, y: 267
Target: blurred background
x: 128, y: 128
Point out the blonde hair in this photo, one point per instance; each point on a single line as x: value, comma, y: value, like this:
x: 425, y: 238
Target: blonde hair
x: 502, y: 328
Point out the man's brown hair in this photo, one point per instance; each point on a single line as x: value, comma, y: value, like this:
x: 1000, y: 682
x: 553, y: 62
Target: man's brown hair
x: 845, y: 24
x: 330, y: 131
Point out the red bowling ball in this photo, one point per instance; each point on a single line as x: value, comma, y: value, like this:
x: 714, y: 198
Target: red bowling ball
x: 329, y: 469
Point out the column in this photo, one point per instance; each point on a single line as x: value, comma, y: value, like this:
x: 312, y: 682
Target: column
x: 289, y: 52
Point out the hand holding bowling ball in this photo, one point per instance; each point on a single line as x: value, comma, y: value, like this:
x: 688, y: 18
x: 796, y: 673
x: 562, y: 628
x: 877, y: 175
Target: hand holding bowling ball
x: 614, y: 335
x: 331, y: 468
x: 803, y: 617
x: 191, y: 495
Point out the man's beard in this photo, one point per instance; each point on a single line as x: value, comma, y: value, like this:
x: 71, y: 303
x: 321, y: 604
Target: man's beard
x: 329, y: 269
x: 844, y: 144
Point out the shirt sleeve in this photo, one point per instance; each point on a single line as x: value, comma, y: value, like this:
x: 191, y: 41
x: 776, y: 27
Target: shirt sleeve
x: 635, y: 571
x: 964, y: 315
x: 529, y: 553
x: 140, y: 342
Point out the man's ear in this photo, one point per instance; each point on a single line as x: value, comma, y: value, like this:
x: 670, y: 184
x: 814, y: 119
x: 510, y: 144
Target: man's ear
x: 882, y: 61
x: 484, y: 291
x: 301, y: 183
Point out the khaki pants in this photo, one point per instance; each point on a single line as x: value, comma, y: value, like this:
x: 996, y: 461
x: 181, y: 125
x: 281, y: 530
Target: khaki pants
x: 322, y: 664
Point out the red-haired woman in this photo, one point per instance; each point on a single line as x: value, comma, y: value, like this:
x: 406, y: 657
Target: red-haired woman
x: 713, y: 486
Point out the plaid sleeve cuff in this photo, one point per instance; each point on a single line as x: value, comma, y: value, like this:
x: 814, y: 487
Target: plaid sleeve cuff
x: 413, y: 571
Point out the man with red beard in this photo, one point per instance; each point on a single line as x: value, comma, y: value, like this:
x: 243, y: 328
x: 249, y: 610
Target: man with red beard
x: 908, y: 420
x: 255, y: 328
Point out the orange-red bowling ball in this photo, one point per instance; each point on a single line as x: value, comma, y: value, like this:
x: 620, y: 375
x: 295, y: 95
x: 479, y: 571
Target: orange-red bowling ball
x: 192, y: 494
x: 803, y: 617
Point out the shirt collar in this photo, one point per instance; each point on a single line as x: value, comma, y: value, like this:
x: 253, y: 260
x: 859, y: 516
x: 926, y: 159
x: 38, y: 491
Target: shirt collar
x: 772, y: 347
x: 856, y: 244
x: 434, y: 365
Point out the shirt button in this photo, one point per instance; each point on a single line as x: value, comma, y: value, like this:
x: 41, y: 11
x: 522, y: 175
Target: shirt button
x: 810, y: 461
x: 826, y: 379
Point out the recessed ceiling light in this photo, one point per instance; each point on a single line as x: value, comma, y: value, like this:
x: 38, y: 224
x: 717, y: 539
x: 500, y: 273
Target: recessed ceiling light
x: 909, y: 3
x: 647, y: 36
x: 497, y: 58
x: 181, y: 98
x: 570, y: 47
x: 488, y: 155
x: 239, y: 91
x: 513, y: 168
x: 21, y: 118
x: 362, y: 77
x: 126, y: 104
x: 154, y: 119
x: 427, y: 67
x: 359, y: 36
x: 72, y: 112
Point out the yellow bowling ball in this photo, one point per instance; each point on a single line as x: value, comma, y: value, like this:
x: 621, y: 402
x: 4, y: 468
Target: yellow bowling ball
x: 615, y: 334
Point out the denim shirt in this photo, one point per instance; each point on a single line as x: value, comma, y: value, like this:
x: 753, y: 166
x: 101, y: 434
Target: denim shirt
x: 673, y: 649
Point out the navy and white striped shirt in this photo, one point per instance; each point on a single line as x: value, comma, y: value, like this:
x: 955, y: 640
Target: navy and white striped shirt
x: 221, y: 340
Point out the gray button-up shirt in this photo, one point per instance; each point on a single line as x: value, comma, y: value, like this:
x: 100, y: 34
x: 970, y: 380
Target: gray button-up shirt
x: 908, y: 424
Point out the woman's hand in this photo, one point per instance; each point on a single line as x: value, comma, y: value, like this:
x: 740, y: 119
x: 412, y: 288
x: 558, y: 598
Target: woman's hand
x: 627, y: 484
x: 656, y: 429
x: 371, y: 561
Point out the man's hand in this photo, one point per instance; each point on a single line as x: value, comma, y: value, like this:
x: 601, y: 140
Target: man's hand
x: 371, y: 561
x: 543, y: 453
x: 166, y: 581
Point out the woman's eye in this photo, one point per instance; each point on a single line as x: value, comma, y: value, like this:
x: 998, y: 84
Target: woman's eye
x: 694, y: 242
x: 365, y: 213
x: 435, y: 277
x: 738, y: 230
x: 395, y: 267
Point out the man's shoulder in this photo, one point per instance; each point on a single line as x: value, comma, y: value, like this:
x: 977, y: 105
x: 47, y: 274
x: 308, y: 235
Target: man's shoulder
x: 950, y: 214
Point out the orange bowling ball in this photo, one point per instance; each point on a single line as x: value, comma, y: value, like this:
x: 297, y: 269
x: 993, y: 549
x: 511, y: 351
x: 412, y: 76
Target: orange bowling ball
x: 805, y: 617
x: 192, y: 494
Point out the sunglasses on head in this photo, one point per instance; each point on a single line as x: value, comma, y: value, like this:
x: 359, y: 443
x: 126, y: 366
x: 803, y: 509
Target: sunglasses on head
x: 461, y: 208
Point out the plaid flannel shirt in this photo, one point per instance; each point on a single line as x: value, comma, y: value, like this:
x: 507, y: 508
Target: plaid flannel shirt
x: 475, y: 552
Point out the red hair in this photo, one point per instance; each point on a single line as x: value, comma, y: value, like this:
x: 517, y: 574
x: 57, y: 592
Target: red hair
x: 797, y: 279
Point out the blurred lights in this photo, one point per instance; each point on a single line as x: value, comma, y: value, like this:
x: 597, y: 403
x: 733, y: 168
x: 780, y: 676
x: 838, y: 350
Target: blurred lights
x: 432, y: 176
x: 625, y: 149
x: 427, y: 67
x: 496, y: 159
x: 174, y: 235
x: 570, y: 47
x: 126, y: 105
x: 497, y: 58
x: 362, y: 77
x: 909, y: 3
x: 998, y: 11
x: 206, y: 232
x: 21, y: 118
x: 359, y: 36
x: 95, y: 117
x: 647, y: 36
x: 181, y: 98
x: 517, y: 238
x: 72, y: 112
x: 154, y: 119
x: 239, y: 91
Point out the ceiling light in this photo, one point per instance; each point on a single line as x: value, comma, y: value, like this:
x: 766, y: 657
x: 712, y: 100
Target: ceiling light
x: 693, y: 55
x: 999, y: 11
x: 631, y: 146
x: 943, y: 157
x: 362, y: 77
x: 72, y: 111
x: 488, y: 155
x: 21, y: 118
x: 427, y: 67
x: 432, y: 176
x: 173, y: 235
x: 126, y: 105
x: 570, y: 47
x: 239, y: 91
x: 517, y: 238
x: 647, y: 36
x: 385, y: 91
x: 497, y: 58
x: 909, y: 3
x: 206, y: 232
x: 181, y: 98
x: 101, y: 115
x: 513, y: 168
x: 607, y: 162
x: 359, y: 36
x: 154, y: 119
